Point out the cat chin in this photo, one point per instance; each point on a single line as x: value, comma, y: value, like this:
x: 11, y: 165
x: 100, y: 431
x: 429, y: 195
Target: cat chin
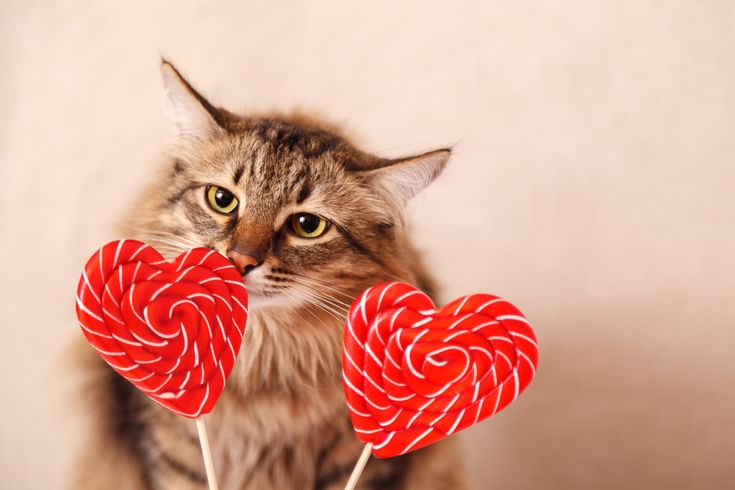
x: 259, y: 301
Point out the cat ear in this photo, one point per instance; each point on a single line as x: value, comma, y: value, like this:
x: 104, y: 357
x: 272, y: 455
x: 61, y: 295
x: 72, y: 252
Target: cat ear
x: 400, y: 180
x: 194, y: 116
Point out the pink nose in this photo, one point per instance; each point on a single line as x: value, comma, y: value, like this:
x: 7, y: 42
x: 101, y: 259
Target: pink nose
x: 242, y: 262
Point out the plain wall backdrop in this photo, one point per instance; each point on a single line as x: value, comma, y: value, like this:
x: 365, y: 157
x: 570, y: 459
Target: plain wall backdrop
x: 592, y: 184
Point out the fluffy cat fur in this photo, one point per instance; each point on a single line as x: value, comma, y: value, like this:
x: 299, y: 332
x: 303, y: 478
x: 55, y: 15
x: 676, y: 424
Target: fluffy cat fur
x: 281, y: 422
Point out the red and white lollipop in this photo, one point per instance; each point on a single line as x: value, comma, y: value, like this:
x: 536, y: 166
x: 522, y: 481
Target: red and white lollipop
x: 172, y: 329
x: 414, y: 374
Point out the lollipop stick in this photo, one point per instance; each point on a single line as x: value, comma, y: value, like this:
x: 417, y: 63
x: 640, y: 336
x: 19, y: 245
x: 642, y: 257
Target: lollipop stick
x: 352, y: 482
x: 206, y: 453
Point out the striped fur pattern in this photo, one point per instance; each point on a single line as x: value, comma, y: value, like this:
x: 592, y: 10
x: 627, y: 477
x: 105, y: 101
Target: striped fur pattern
x: 282, y: 421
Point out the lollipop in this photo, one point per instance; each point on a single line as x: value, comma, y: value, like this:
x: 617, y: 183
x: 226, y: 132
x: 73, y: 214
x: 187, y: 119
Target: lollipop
x: 172, y: 329
x: 414, y: 375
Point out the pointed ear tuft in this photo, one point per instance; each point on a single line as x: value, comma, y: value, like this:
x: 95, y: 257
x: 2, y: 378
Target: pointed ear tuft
x: 400, y: 180
x: 195, y: 117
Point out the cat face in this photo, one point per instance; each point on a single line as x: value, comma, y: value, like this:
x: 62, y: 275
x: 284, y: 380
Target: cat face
x: 307, y: 218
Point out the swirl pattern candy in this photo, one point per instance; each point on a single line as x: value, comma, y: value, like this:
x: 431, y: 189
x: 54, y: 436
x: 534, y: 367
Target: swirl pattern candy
x: 414, y: 374
x: 172, y: 329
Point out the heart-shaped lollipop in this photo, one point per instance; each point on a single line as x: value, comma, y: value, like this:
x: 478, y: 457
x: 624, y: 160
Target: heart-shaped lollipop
x: 172, y: 329
x: 414, y: 375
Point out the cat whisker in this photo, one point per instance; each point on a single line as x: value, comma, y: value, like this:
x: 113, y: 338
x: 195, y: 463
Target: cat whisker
x: 336, y: 303
x: 170, y: 243
x: 318, y: 302
x: 326, y: 286
x: 306, y: 307
x: 165, y: 243
x: 293, y: 309
x: 162, y: 234
x: 304, y: 295
x: 161, y: 247
x: 164, y: 246
x: 172, y: 240
x: 387, y: 276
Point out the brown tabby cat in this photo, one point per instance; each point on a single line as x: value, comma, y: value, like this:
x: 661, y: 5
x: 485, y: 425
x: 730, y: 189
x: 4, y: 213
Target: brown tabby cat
x: 311, y: 221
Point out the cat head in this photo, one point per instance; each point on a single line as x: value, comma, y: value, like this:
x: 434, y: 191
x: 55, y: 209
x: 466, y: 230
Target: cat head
x: 308, y: 218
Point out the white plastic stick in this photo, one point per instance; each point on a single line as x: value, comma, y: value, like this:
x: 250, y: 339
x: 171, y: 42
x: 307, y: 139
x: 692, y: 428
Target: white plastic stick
x: 206, y: 453
x: 355, y: 476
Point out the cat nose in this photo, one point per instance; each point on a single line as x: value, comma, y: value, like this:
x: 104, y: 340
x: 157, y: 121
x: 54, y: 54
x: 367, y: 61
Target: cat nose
x: 244, y: 263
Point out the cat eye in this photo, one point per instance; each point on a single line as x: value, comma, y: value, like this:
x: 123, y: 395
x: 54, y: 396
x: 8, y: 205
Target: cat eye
x: 308, y: 225
x: 220, y: 199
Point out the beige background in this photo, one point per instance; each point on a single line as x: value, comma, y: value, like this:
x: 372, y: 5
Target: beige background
x: 592, y: 184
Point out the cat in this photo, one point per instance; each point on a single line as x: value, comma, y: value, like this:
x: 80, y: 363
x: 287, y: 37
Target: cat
x: 310, y: 221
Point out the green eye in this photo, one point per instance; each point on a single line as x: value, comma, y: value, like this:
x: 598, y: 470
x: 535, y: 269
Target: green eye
x: 220, y: 199
x: 308, y: 225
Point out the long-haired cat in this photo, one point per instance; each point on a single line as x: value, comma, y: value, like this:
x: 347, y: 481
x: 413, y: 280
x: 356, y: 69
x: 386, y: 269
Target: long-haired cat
x: 310, y: 221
